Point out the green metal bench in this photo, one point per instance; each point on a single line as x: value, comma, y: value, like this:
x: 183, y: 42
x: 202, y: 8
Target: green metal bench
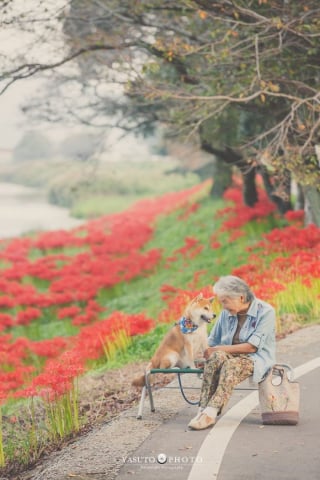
x: 147, y: 387
x: 178, y: 371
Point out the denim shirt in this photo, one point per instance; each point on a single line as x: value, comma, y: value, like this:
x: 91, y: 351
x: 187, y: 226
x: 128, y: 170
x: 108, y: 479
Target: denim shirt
x: 258, y: 330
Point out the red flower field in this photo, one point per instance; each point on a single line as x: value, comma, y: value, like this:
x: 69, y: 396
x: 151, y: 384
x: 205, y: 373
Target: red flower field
x: 60, y: 274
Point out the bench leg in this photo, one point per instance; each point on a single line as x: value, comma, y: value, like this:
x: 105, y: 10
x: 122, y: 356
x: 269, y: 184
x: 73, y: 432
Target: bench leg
x: 143, y: 396
x: 145, y: 389
x: 149, y: 392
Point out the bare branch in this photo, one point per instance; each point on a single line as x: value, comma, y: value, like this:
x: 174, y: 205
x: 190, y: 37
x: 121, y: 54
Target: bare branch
x: 256, y: 44
x: 29, y: 69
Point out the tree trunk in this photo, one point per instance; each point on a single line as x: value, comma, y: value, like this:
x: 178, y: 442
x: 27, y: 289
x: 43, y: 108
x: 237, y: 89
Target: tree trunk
x: 222, y: 178
x: 300, y: 198
x: 225, y: 160
x: 250, y: 194
x: 312, y: 205
x: 281, y: 199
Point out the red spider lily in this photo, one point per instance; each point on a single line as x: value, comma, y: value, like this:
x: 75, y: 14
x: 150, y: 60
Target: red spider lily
x: 10, y: 381
x: 305, y: 263
x: 170, y: 260
x: 12, y: 353
x: 260, y: 279
x: 27, y: 392
x: 88, y: 341
x: 189, y: 250
x: 3, y: 396
x: 47, y: 268
x: 189, y: 243
x: 168, y: 292
x: 57, y: 239
x: 58, y: 375
x: 68, y: 312
x: 50, y: 348
x: 85, y: 278
x: 89, y: 315
x: 196, y: 277
x: 17, y: 289
x: 196, y: 251
x: 295, y: 216
x: 233, y: 194
x: 84, y: 319
x: 307, y: 282
x: 7, y: 302
x: 235, y: 234
x: 27, y: 316
x: 292, y: 238
x: 56, y: 298
x: 189, y: 210
x: 139, y: 324
x: 240, y: 214
x: 6, y: 321
x: 95, y: 307
x: 16, y: 250
x: 178, y: 303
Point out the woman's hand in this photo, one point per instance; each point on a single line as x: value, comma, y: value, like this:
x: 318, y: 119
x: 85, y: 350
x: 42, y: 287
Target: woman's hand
x: 208, y: 352
x: 238, y: 349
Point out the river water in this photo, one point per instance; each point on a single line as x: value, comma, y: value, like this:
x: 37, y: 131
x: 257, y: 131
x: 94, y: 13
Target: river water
x: 24, y: 209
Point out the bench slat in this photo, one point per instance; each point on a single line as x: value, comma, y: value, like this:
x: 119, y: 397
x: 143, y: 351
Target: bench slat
x: 176, y: 370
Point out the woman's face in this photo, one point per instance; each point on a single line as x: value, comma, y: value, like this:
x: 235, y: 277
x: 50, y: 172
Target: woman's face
x: 233, y: 304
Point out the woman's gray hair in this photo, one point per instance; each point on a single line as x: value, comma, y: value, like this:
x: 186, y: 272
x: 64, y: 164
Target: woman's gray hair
x: 232, y: 286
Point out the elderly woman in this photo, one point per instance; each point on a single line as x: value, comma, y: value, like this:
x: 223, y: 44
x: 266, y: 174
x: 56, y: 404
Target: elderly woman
x: 241, y: 344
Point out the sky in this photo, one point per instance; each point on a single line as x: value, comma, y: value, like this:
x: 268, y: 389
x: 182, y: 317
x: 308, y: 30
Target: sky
x: 42, y: 45
x: 25, y: 44
x: 12, y: 121
x: 13, y: 124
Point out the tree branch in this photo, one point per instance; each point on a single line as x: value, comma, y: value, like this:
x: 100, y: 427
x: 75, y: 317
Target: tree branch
x: 29, y: 69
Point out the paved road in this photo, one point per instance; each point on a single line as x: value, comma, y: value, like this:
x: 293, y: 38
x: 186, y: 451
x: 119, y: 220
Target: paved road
x: 239, y: 447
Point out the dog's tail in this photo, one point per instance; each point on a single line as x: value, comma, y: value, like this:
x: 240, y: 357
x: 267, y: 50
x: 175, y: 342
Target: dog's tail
x: 141, y: 380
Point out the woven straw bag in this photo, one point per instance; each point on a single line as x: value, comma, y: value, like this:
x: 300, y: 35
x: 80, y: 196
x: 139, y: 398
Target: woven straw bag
x: 279, y: 397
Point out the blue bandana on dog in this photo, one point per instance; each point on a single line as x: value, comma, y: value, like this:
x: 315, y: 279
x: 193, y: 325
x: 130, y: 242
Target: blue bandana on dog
x: 187, y: 325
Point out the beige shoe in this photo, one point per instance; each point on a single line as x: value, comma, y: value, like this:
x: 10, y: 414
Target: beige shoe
x: 202, y: 421
x: 196, y: 417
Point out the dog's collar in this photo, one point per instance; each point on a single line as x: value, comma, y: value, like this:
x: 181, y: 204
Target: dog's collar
x: 187, y: 325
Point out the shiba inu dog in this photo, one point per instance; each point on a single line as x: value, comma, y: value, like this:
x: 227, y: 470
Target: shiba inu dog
x: 186, y: 340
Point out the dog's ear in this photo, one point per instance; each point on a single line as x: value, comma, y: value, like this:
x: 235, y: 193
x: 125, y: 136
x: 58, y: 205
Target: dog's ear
x: 211, y: 299
x: 198, y: 297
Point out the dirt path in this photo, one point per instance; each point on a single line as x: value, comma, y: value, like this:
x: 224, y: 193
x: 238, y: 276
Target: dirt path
x: 100, y: 453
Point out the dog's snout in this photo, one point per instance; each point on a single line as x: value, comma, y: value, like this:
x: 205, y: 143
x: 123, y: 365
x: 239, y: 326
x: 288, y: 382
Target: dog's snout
x: 208, y: 318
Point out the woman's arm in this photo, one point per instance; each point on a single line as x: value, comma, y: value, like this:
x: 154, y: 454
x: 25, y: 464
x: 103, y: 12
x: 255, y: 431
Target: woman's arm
x: 234, y: 349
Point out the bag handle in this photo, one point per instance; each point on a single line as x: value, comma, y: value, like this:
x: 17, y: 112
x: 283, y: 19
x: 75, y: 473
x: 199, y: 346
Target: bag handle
x: 281, y: 367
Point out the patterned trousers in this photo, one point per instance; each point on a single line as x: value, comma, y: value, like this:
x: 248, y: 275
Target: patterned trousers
x: 222, y: 372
